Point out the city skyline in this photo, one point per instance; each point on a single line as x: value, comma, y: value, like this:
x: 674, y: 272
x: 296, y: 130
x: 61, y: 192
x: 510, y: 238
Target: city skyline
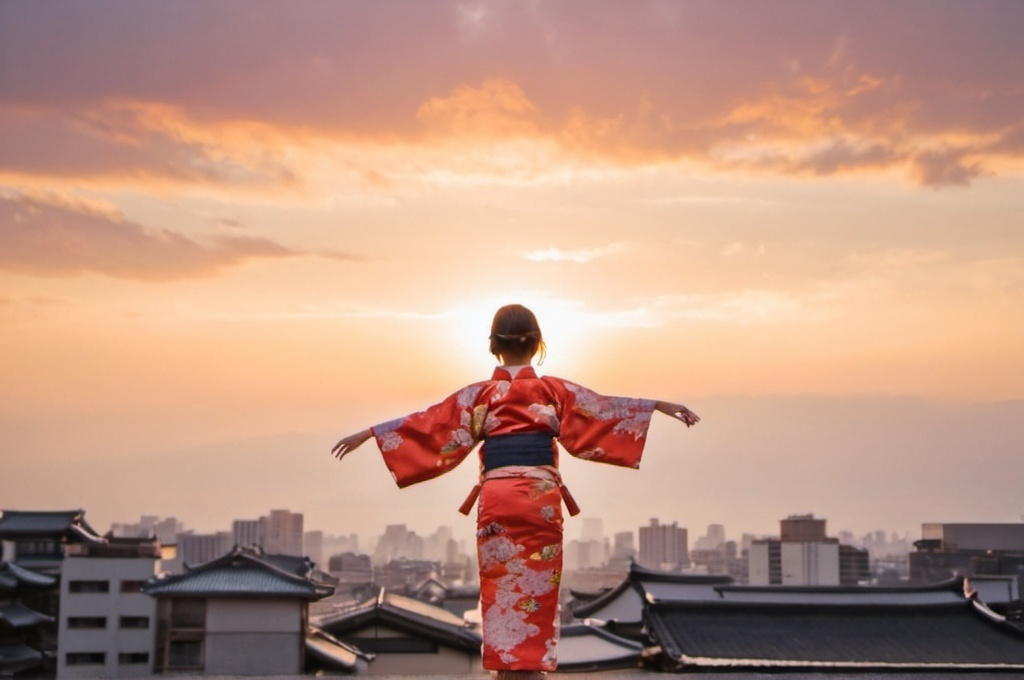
x: 230, y: 235
x: 591, y: 529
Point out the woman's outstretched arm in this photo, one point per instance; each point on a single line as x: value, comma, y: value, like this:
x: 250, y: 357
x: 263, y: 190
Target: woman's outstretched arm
x: 678, y: 411
x: 351, y: 443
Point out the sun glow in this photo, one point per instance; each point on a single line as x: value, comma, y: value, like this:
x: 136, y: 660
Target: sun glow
x: 563, y: 323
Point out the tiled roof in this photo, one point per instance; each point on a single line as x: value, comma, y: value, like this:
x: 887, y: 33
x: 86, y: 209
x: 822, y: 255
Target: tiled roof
x: 240, y: 573
x: 625, y: 601
x: 332, y: 653
x: 20, y: 616
x: 242, y: 580
x: 945, y: 592
x: 585, y: 647
x: 758, y: 635
x: 12, y: 577
x: 14, y: 658
x: 16, y: 523
x: 408, y: 615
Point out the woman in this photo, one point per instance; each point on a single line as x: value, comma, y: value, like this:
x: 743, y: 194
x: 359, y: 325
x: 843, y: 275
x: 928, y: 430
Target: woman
x: 518, y: 417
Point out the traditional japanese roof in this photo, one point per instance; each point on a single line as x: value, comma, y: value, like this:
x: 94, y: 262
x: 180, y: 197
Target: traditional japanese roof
x: 330, y: 653
x: 625, y: 602
x: 586, y: 647
x: 944, y: 592
x: 240, y: 573
x: 950, y: 636
x: 19, y: 616
x: 13, y: 577
x: 405, y: 614
x: 14, y: 658
x: 55, y: 523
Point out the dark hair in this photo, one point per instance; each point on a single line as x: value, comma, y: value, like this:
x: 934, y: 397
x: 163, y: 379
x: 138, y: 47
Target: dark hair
x: 515, y: 329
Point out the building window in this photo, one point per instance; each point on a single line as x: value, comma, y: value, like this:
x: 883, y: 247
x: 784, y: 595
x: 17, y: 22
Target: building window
x: 131, y: 586
x: 185, y: 654
x: 188, y: 613
x: 38, y: 548
x: 141, y: 622
x: 86, y: 658
x: 80, y: 622
x: 181, y: 630
x: 89, y: 586
x: 131, y: 658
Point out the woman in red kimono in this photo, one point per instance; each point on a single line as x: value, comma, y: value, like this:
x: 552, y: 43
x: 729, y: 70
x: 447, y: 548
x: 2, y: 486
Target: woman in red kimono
x: 518, y: 416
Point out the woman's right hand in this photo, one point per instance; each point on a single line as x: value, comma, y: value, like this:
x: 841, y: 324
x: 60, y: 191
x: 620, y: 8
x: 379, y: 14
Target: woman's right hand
x: 350, y: 443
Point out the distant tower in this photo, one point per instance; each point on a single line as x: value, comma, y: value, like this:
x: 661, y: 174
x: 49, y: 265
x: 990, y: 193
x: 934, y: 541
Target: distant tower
x: 283, y: 533
x: 313, y: 546
x: 248, y: 532
x: 194, y: 549
x: 716, y: 535
x: 664, y: 546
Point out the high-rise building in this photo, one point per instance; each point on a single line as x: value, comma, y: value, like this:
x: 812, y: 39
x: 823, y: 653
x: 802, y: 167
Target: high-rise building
x: 195, y: 549
x: 664, y: 546
x: 623, y: 550
x: 396, y: 543
x: 313, y: 546
x: 283, y: 533
x: 804, y: 555
x: 248, y: 532
x: 969, y: 549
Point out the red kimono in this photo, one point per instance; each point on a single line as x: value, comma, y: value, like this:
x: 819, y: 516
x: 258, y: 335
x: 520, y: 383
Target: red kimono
x: 519, y: 520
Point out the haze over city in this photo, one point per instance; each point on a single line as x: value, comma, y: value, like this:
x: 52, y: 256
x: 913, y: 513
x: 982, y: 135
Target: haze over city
x: 232, y: 233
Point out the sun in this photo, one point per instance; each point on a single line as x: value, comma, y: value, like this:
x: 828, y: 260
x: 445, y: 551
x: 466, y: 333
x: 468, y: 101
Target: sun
x: 563, y: 323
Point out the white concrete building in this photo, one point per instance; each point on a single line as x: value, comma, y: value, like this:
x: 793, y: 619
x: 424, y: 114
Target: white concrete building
x: 107, y: 624
x: 809, y: 563
x: 803, y: 555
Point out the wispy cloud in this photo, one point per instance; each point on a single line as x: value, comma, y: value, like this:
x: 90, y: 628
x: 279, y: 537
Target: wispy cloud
x: 578, y: 255
x: 56, y: 237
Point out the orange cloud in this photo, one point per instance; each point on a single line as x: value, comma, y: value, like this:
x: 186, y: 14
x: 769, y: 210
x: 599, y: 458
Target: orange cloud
x: 497, y: 108
x: 801, y: 91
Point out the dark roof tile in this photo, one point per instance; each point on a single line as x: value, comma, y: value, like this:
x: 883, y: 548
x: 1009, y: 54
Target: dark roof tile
x: 960, y: 635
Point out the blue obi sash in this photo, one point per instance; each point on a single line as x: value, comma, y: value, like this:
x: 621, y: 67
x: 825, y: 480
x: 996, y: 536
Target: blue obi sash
x: 528, y: 448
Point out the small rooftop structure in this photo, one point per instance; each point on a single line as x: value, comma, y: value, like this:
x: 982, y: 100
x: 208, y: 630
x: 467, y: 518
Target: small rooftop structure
x: 20, y: 625
x: 13, y: 577
x: 326, y: 652
x: 406, y: 635
x: 16, y: 615
x: 69, y: 524
x: 18, y: 657
x: 586, y: 647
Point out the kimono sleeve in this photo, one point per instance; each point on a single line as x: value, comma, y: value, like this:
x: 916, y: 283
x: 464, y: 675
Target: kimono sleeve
x: 604, y: 429
x: 429, y: 443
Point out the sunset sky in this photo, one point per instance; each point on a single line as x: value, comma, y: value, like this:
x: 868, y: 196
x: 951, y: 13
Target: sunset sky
x: 232, y: 232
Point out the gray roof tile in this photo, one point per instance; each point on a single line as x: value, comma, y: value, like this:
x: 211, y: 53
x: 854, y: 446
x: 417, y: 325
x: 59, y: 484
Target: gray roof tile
x: 15, y: 523
x: 960, y: 635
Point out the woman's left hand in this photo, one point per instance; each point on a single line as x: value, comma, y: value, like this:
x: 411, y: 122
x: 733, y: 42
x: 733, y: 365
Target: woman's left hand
x: 679, y: 412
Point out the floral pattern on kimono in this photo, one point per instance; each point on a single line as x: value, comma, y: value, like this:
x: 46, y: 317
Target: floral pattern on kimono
x: 519, y: 522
